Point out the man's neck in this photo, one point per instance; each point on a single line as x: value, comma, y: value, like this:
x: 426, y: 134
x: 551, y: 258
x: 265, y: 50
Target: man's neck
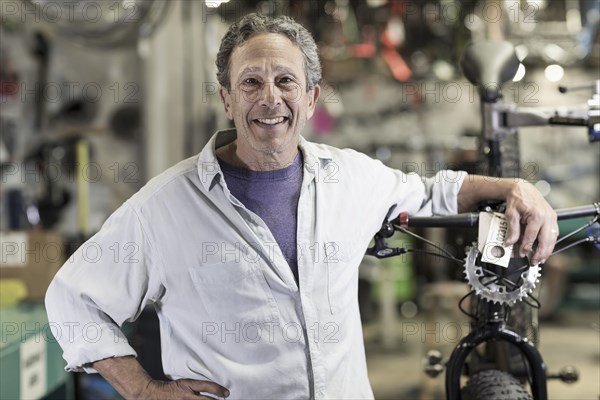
x: 256, y: 161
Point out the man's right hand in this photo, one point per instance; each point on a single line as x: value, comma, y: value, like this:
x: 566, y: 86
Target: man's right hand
x: 182, y: 389
x: 132, y: 382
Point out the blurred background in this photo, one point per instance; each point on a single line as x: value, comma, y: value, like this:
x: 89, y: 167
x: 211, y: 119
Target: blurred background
x: 98, y: 96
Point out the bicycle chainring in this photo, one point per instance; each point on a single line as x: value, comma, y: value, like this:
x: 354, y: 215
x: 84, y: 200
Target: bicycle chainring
x: 497, y: 284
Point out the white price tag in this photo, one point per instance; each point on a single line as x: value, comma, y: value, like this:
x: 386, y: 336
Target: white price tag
x: 492, y: 234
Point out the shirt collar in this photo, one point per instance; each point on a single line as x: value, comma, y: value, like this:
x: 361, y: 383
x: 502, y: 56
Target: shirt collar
x: 315, y: 156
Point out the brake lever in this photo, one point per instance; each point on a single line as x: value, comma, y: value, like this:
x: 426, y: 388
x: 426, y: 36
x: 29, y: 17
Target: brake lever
x: 381, y: 249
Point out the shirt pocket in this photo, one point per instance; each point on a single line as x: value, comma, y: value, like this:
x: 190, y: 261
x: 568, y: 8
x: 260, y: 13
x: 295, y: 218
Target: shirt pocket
x: 234, y: 293
x: 342, y: 261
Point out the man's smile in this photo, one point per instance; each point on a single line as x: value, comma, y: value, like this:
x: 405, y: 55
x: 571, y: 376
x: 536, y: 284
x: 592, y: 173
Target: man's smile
x: 271, y: 122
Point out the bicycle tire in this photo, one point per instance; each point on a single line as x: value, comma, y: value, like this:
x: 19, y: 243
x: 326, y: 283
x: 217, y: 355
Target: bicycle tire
x: 493, y: 384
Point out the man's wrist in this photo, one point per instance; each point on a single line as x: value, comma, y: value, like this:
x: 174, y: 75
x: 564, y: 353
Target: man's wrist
x: 478, y: 188
x: 125, y: 374
x: 510, y: 185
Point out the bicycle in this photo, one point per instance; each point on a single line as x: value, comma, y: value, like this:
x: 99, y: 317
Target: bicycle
x: 488, y: 65
x: 496, y: 290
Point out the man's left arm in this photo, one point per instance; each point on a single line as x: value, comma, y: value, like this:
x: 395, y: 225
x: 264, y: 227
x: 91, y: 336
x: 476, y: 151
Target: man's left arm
x: 524, y: 206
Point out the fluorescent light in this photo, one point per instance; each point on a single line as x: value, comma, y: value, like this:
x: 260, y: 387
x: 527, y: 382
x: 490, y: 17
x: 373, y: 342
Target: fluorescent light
x: 554, y: 72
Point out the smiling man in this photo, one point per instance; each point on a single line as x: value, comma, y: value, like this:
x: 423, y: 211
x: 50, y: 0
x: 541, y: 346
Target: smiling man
x: 250, y: 251
x: 269, y: 100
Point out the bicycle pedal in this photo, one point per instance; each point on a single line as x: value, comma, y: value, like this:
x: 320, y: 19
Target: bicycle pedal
x: 568, y: 374
x: 433, y: 364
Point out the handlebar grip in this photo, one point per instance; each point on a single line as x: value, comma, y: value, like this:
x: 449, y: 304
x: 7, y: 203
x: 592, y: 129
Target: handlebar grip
x: 464, y: 220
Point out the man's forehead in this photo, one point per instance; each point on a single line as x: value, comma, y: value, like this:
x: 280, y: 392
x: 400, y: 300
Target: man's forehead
x: 275, y: 68
x: 267, y: 45
x: 262, y: 51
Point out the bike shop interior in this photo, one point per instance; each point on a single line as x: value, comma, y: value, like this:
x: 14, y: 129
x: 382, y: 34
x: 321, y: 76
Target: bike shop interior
x: 99, y: 96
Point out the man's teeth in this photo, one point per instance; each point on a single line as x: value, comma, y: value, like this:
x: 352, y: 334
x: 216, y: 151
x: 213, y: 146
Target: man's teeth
x: 270, y: 121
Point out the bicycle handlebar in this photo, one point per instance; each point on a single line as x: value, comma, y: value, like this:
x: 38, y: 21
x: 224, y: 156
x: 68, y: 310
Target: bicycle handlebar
x: 471, y: 219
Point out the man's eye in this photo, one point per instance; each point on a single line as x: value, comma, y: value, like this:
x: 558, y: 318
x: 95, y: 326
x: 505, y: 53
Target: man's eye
x: 286, y: 80
x: 250, y: 81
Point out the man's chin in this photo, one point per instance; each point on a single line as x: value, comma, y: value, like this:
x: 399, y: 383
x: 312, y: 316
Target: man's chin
x: 275, y: 145
x: 271, y: 148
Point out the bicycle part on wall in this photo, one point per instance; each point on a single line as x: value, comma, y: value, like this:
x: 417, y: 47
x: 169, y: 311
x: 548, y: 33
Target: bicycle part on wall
x: 497, y: 284
x: 106, y: 23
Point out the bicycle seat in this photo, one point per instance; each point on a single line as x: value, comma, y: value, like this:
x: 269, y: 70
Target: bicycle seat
x: 488, y: 65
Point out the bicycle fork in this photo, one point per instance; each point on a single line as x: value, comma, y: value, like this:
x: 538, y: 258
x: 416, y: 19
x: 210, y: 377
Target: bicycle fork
x: 489, y: 333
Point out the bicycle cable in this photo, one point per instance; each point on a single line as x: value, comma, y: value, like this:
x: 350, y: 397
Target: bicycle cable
x: 460, y: 306
x: 537, y: 304
x: 444, y: 251
x: 431, y: 253
x: 587, y: 239
x: 588, y: 224
x: 499, y: 278
x: 504, y: 279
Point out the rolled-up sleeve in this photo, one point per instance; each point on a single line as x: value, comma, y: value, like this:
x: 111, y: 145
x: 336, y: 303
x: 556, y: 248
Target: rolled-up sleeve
x: 442, y: 192
x: 106, y: 282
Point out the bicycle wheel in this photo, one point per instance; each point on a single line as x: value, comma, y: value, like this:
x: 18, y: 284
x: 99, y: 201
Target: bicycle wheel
x: 492, y: 384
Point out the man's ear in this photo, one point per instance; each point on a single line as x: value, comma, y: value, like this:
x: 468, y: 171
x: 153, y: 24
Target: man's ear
x: 313, y: 97
x: 226, y: 99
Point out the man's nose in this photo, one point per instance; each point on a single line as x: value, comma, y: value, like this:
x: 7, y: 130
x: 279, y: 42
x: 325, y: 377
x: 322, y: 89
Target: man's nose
x: 271, y: 95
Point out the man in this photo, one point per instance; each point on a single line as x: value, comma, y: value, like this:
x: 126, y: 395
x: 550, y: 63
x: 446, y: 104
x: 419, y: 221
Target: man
x: 250, y: 251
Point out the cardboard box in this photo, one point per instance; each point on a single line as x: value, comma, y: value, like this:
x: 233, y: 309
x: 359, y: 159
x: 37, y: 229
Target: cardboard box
x: 33, y: 257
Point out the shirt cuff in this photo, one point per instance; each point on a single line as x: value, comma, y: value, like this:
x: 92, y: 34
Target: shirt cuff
x: 97, y: 342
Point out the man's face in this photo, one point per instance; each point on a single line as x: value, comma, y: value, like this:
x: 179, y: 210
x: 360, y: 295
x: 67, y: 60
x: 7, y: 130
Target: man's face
x: 268, y: 101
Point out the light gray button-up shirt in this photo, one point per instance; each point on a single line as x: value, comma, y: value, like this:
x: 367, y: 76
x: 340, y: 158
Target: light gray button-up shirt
x: 230, y: 310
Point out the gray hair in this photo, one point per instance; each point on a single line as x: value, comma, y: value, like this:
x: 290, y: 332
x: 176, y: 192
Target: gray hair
x: 251, y: 24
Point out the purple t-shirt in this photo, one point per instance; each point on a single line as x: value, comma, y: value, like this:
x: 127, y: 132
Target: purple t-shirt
x: 273, y: 196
